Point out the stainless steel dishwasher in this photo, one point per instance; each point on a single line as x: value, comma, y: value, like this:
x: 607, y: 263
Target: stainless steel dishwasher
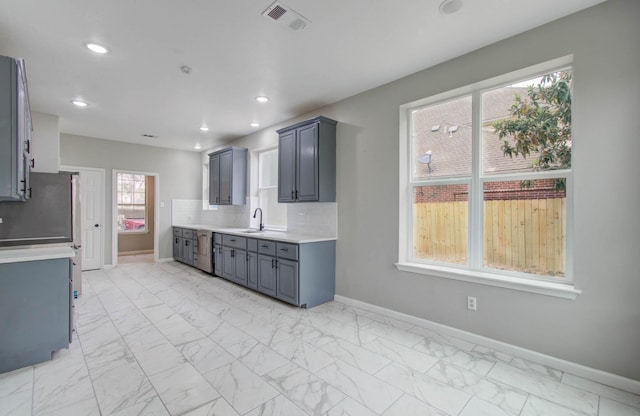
x: 205, y: 262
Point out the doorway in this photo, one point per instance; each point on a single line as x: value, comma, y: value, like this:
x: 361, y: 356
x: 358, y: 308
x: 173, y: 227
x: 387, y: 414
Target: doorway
x: 135, y: 216
x: 92, y: 215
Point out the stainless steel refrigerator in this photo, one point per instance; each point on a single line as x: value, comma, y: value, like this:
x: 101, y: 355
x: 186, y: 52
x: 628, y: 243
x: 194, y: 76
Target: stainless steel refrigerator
x: 51, y: 216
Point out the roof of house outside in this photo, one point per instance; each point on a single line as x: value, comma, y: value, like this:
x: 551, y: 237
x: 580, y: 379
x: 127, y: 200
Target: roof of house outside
x: 451, y: 151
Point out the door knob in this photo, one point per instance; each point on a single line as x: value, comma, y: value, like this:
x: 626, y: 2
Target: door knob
x: 96, y: 225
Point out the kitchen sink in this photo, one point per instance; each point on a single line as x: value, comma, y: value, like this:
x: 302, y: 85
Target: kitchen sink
x: 252, y: 232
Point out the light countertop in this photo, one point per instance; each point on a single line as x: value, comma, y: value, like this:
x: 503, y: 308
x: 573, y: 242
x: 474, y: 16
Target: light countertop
x: 297, y: 238
x: 33, y: 253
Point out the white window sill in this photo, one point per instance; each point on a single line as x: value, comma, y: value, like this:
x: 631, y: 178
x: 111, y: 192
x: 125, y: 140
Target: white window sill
x: 558, y: 290
x: 133, y: 232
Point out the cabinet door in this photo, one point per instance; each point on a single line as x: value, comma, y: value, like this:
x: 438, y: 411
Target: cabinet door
x: 177, y: 248
x: 240, y: 275
x: 226, y: 177
x: 307, y: 166
x: 217, y: 257
x: 287, y: 167
x: 214, y: 179
x: 228, y: 263
x: 267, y: 274
x: 187, y: 251
x: 252, y: 270
x: 287, y: 281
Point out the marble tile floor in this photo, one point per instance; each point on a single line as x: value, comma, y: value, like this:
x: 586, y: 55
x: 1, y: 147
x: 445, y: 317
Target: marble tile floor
x: 165, y: 339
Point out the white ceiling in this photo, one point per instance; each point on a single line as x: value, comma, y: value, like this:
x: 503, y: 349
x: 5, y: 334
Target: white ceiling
x: 236, y: 54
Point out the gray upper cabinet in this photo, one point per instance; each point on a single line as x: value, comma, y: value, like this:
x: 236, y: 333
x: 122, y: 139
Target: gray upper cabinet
x: 307, y: 161
x: 15, y: 131
x: 228, y: 176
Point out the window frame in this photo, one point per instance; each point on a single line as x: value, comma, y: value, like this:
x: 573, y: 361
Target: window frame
x: 259, y: 188
x: 473, y: 270
x: 146, y: 203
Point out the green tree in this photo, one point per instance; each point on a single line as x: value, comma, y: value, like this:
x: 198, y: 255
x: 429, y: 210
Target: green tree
x: 541, y: 124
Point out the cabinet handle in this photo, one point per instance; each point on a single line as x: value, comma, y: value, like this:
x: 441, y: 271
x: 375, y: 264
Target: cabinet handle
x: 233, y: 253
x: 273, y: 263
x: 33, y: 163
x: 296, y: 194
x: 27, y: 144
x: 292, y: 194
x: 264, y: 246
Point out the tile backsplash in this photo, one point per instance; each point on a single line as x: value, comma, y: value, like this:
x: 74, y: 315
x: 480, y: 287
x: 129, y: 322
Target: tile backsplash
x: 316, y: 218
x: 308, y: 218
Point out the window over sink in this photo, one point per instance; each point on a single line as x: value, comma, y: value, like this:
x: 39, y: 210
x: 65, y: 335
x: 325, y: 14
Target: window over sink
x: 275, y: 214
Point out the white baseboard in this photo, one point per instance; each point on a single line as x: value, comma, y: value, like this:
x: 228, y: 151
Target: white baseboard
x: 165, y: 260
x: 580, y: 370
x: 134, y: 252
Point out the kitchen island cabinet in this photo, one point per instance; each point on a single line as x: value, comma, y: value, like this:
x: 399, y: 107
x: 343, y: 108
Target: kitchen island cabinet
x: 36, y: 305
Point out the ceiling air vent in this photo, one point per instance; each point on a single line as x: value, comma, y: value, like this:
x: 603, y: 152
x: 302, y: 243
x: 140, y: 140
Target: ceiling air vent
x: 286, y: 16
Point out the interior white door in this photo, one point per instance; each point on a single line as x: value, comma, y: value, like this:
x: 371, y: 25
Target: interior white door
x: 91, y: 207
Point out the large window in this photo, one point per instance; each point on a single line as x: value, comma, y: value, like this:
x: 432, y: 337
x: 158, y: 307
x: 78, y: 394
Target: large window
x: 132, y: 202
x: 487, y: 179
x: 275, y: 214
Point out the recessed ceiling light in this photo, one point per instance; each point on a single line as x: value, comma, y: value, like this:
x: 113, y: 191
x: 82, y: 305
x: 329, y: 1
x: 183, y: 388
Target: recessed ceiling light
x: 79, y: 103
x: 254, y: 124
x: 450, y: 6
x: 94, y: 47
x: 197, y: 146
x: 204, y: 128
x: 262, y: 99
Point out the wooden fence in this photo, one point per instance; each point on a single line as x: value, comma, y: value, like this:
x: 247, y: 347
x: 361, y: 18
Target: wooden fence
x: 526, y: 235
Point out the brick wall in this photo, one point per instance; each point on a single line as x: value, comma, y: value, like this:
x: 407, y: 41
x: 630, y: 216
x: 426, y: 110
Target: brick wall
x: 509, y: 190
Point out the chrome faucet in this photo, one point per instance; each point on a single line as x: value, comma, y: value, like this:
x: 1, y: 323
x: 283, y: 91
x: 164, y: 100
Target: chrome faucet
x: 256, y: 213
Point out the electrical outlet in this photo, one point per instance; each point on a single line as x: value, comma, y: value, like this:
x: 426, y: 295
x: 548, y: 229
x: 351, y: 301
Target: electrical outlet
x: 472, y: 303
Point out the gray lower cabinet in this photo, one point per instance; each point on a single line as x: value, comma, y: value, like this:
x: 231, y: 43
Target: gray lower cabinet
x: 287, y: 281
x: 234, y: 265
x: 185, y: 245
x: 36, y: 310
x: 252, y: 270
x: 300, y: 274
x: 267, y: 275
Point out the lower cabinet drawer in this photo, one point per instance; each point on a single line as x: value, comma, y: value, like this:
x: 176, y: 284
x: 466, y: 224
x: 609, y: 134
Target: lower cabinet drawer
x: 267, y: 247
x: 234, y: 241
x: 287, y: 251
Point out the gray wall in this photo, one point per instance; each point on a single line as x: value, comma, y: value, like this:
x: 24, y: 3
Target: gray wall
x: 179, y: 176
x: 601, y: 329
